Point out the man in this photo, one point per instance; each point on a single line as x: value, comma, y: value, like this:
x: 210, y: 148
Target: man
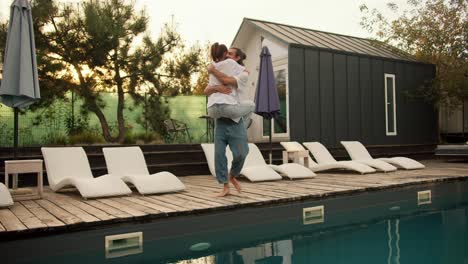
x: 228, y: 132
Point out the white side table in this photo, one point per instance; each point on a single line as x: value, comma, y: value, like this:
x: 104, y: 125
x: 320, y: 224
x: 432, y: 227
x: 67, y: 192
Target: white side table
x: 16, y: 167
x: 295, y: 156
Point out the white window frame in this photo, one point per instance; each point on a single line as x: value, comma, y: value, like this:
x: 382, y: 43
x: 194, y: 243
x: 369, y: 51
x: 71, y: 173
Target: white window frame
x: 390, y: 133
x: 278, y: 67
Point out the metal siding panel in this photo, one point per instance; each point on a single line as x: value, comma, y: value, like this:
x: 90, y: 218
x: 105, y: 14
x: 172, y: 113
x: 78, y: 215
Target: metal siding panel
x: 432, y: 113
x: 341, y: 95
x: 275, y: 33
x: 312, y: 96
x: 297, y: 35
x: 412, y: 104
x: 427, y: 110
x: 345, y: 45
x: 326, y: 99
x: 354, y: 98
x: 403, y: 103
x: 288, y: 34
x: 378, y: 101
x: 311, y: 38
x: 327, y: 40
x: 296, y: 94
x: 324, y: 40
x: 366, y: 100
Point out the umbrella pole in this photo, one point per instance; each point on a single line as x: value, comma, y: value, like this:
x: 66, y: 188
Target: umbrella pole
x: 271, y: 144
x: 15, y: 132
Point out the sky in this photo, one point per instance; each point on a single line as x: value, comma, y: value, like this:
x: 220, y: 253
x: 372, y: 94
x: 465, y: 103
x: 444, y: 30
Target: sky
x: 208, y: 21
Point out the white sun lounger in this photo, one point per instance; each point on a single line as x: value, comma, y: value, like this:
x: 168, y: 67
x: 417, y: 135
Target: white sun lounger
x: 5, y: 196
x: 360, y: 152
x: 255, y: 168
x: 325, y: 160
x: 69, y: 166
x: 289, y: 170
x: 128, y: 163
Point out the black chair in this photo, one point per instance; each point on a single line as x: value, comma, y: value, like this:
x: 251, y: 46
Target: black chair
x: 176, y: 130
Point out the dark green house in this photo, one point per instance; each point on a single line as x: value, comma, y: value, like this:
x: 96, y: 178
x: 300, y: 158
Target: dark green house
x: 335, y: 87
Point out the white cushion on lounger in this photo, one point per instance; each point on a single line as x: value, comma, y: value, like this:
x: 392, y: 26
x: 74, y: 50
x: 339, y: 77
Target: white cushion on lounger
x: 325, y: 159
x: 359, y: 153
x: 129, y: 164
x: 252, y: 171
x: 289, y: 170
x: 69, y: 166
x: 5, y: 197
x: 293, y: 171
x: 404, y: 163
x: 292, y: 146
x: 260, y: 173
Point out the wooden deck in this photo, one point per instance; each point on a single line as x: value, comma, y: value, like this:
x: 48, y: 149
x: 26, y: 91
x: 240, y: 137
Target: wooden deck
x: 68, y: 211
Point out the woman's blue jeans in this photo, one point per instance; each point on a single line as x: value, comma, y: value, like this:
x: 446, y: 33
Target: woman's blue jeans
x: 234, y: 135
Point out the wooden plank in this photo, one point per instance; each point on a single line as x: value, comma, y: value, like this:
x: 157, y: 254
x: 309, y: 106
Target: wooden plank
x: 247, y: 189
x: 204, y: 200
x: 207, y: 195
x: 2, y: 229
x: 42, y: 214
x: 58, y: 212
x: 10, y: 221
x: 59, y: 200
x: 292, y: 187
x: 175, y: 200
x: 117, y: 203
x: 137, y: 202
x: 108, y: 209
x: 235, y: 198
x: 101, y: 215
x: 148, y: 202
x: 26, y: 217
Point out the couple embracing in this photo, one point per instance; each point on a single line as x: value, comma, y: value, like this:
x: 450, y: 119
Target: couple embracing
x: 227, y: 78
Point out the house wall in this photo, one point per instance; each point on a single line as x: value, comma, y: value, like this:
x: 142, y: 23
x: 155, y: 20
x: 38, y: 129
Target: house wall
x: 339, y: 96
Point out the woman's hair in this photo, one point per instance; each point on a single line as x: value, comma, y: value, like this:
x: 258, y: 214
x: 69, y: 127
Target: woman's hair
x: 218, y: 52
x: 241, y: 55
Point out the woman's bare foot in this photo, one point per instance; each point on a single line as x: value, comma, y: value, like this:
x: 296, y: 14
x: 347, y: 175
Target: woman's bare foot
x: 236, y: 183
x: 225, y: 191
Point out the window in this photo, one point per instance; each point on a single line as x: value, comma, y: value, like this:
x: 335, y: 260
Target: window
x: 280, y: 124
x: 390, y: 105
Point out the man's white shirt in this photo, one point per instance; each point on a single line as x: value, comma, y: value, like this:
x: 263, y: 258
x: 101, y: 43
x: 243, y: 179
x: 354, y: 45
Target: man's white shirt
x: 231, y: 68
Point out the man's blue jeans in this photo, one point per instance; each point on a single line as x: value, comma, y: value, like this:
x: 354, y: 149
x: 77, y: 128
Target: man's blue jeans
x: 234, y: 135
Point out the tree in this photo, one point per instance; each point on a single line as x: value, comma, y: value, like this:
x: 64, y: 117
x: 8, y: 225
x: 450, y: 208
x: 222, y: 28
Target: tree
x: 433, y: 31
x: 202, y: 80
x: 101, y: 46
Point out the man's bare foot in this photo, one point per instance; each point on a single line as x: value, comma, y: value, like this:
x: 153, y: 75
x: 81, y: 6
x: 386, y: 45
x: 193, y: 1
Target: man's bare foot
x: 236, y: 183
x: 225, y: 191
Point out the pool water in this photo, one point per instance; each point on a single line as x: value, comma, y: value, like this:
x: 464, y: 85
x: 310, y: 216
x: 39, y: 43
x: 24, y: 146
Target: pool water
x: 377, y: 227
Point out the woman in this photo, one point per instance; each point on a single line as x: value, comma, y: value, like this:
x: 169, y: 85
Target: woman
x: 227, y: 104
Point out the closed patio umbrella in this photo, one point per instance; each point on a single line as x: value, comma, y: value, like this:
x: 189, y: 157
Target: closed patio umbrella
x: 20, y: 85
x: 266, y: 96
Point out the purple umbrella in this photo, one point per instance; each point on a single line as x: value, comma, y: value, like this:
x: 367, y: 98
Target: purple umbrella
x: 266, y: 97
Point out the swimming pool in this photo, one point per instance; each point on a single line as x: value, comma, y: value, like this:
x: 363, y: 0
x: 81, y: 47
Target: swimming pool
x: 375, y: 227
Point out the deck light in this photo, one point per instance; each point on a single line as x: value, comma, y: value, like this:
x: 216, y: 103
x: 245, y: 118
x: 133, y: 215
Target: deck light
x: 124, y: 244
x: 424, y: 197
x: 313, y: 215
x: 200, y: 246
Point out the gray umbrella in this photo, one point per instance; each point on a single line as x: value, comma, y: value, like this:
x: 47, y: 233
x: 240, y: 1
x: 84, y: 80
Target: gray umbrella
x: 266, y: 97
x: 20, y: 85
